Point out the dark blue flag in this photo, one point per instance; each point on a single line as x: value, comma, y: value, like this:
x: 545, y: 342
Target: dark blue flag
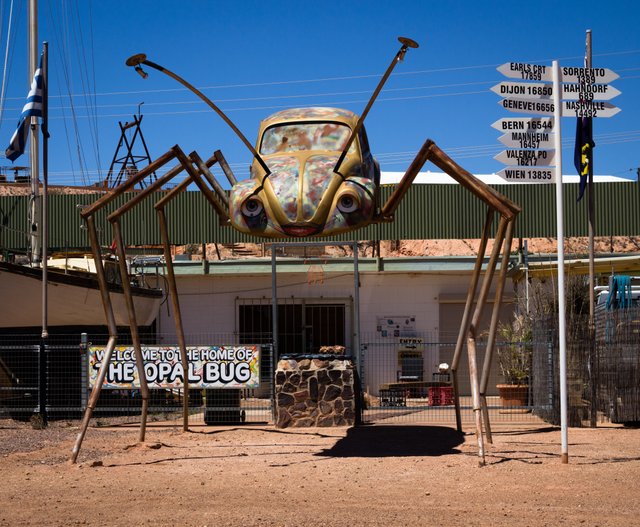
x: 583, y: 151
x: 32, y: 108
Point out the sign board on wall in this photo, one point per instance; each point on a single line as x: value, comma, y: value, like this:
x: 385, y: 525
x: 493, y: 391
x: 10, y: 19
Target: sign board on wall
x: 396, y: 326
x: 411, y: 344
x: 209, y: 367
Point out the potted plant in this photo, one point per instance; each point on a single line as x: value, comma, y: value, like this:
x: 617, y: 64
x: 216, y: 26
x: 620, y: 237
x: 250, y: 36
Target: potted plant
x: 514, y: 358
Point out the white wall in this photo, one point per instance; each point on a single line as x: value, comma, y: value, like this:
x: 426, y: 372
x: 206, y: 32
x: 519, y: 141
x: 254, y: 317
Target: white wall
x: 208, y: 306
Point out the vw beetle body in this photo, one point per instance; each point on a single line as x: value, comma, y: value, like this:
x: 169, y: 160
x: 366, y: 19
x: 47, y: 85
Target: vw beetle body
x: 303, y: 195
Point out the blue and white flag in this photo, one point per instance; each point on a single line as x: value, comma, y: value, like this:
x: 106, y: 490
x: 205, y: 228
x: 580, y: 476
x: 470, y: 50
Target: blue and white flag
x: 33, y: 108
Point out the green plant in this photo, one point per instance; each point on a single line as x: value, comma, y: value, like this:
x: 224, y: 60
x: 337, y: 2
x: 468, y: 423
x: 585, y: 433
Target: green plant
x: 515, y: 350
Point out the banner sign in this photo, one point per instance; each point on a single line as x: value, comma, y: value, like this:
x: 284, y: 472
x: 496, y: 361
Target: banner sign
x: 209, y: 367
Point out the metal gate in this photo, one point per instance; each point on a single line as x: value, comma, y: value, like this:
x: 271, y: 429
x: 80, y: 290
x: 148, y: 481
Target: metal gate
x: 402, y: 383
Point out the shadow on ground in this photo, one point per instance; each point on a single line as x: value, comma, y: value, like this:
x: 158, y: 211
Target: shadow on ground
x: 396, y: 441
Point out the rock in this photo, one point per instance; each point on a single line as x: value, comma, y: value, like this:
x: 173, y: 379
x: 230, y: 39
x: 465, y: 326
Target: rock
x: 325, y: 421
x: 300, y: 423
x: 299, y: 407
x: 323, y: 377
x: 319, y: 364
x: 331, y: 393
x: 287, y: 387
x: 284, y: 399
x: 313, y: 388
x: 284, y: 419
x: 339, y: 421
x: 304, y: 364
x: 287, y: 365
x: 316, y: 393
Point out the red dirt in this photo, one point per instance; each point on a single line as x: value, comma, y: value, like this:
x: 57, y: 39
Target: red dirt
x: 371, y: 475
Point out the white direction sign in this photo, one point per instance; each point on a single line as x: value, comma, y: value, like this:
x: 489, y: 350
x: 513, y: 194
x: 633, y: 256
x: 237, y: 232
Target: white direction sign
x: 524, y: 90
x: 538, y: 72
x: 588, y: 109
x: 524, y: 124
x: 569, y: 108
x: 589, y: 92
x: 587, y: 75
x: 526, y: 72
x: 525, y: 106
x: 527, y: 158
x: 527, y: 140
x: 527, y: 175
x: 541, y: 90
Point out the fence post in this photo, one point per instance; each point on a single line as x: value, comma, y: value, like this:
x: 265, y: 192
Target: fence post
x: 550, y: 363
x: 84, y: 371
x: 42, y: 382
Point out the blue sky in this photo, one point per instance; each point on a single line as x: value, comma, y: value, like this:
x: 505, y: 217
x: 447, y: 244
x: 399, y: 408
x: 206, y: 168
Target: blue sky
x: 255, y: 58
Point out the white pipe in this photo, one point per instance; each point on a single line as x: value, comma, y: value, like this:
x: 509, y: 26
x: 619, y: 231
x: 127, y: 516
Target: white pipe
x: 562, y: 332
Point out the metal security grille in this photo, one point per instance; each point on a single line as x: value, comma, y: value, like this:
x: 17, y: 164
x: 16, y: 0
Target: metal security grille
x: 407, y: 386
x: 304, y: 325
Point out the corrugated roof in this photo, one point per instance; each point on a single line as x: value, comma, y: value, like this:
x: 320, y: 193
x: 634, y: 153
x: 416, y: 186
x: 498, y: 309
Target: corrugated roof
x: 438, y: 211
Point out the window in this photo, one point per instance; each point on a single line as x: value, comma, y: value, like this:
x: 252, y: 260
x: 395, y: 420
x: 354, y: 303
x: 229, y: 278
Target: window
x: 295, y: 137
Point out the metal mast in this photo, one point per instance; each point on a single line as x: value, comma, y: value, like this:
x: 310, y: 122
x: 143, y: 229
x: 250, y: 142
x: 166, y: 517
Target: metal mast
x: 35, y: 208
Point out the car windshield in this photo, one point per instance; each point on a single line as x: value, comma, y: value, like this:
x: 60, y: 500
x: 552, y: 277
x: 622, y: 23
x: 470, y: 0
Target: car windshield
x: 305, y: 136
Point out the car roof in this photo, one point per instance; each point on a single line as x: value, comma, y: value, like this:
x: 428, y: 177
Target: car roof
x: 310, y: 114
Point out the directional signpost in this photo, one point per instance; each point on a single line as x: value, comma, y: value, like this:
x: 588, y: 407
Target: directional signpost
x: 534, y: 145
x: 542, y: 90
x: 527, y: 158
x: 530, y: 140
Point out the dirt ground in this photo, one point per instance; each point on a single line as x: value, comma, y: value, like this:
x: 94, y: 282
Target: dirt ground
x: 370, y: 475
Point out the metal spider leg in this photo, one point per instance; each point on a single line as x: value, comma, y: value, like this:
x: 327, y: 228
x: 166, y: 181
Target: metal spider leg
x: 468, y: 328
x: 472, y: 332
x: 493, y: 326
x: 194, y: 176
x: 88, y: 213
x: 464, y: 325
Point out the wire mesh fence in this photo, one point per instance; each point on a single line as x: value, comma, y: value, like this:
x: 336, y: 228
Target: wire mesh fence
x: 603, y: 373
x: 400, y: 377
x: 403, y: 382
x: 57, y: 378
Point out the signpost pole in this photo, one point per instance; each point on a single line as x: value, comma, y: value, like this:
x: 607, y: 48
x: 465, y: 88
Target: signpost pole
x: 562, y: 340
x: 591, y: 220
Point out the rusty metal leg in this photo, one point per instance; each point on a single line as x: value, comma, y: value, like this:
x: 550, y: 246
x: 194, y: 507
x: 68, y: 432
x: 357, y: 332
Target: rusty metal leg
x: 495, y: 315
x: 113, y: 336
x: 475, y: 321
x: 173, y: 290
x: 475, y: 392
x: 133, y: 325
x: 464, y: 325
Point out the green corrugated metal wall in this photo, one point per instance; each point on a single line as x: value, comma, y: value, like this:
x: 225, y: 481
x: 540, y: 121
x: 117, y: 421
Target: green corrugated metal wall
x: 427, y: 212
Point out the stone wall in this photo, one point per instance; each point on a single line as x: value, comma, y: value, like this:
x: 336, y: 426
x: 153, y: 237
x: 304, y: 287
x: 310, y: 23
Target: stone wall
x: 315, y: 392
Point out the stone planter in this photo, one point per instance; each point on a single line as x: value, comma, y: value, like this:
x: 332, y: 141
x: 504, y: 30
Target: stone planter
x: 315, y: 392
x: 513, y: 394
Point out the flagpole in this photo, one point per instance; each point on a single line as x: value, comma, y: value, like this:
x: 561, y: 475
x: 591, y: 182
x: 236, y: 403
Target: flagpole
x: 45, y: 185
x: 34, y: 227
x: 591, y: 219
x: 562, y: 331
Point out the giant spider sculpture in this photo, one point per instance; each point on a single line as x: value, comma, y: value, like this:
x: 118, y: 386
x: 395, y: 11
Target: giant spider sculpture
x: 312, y: 175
